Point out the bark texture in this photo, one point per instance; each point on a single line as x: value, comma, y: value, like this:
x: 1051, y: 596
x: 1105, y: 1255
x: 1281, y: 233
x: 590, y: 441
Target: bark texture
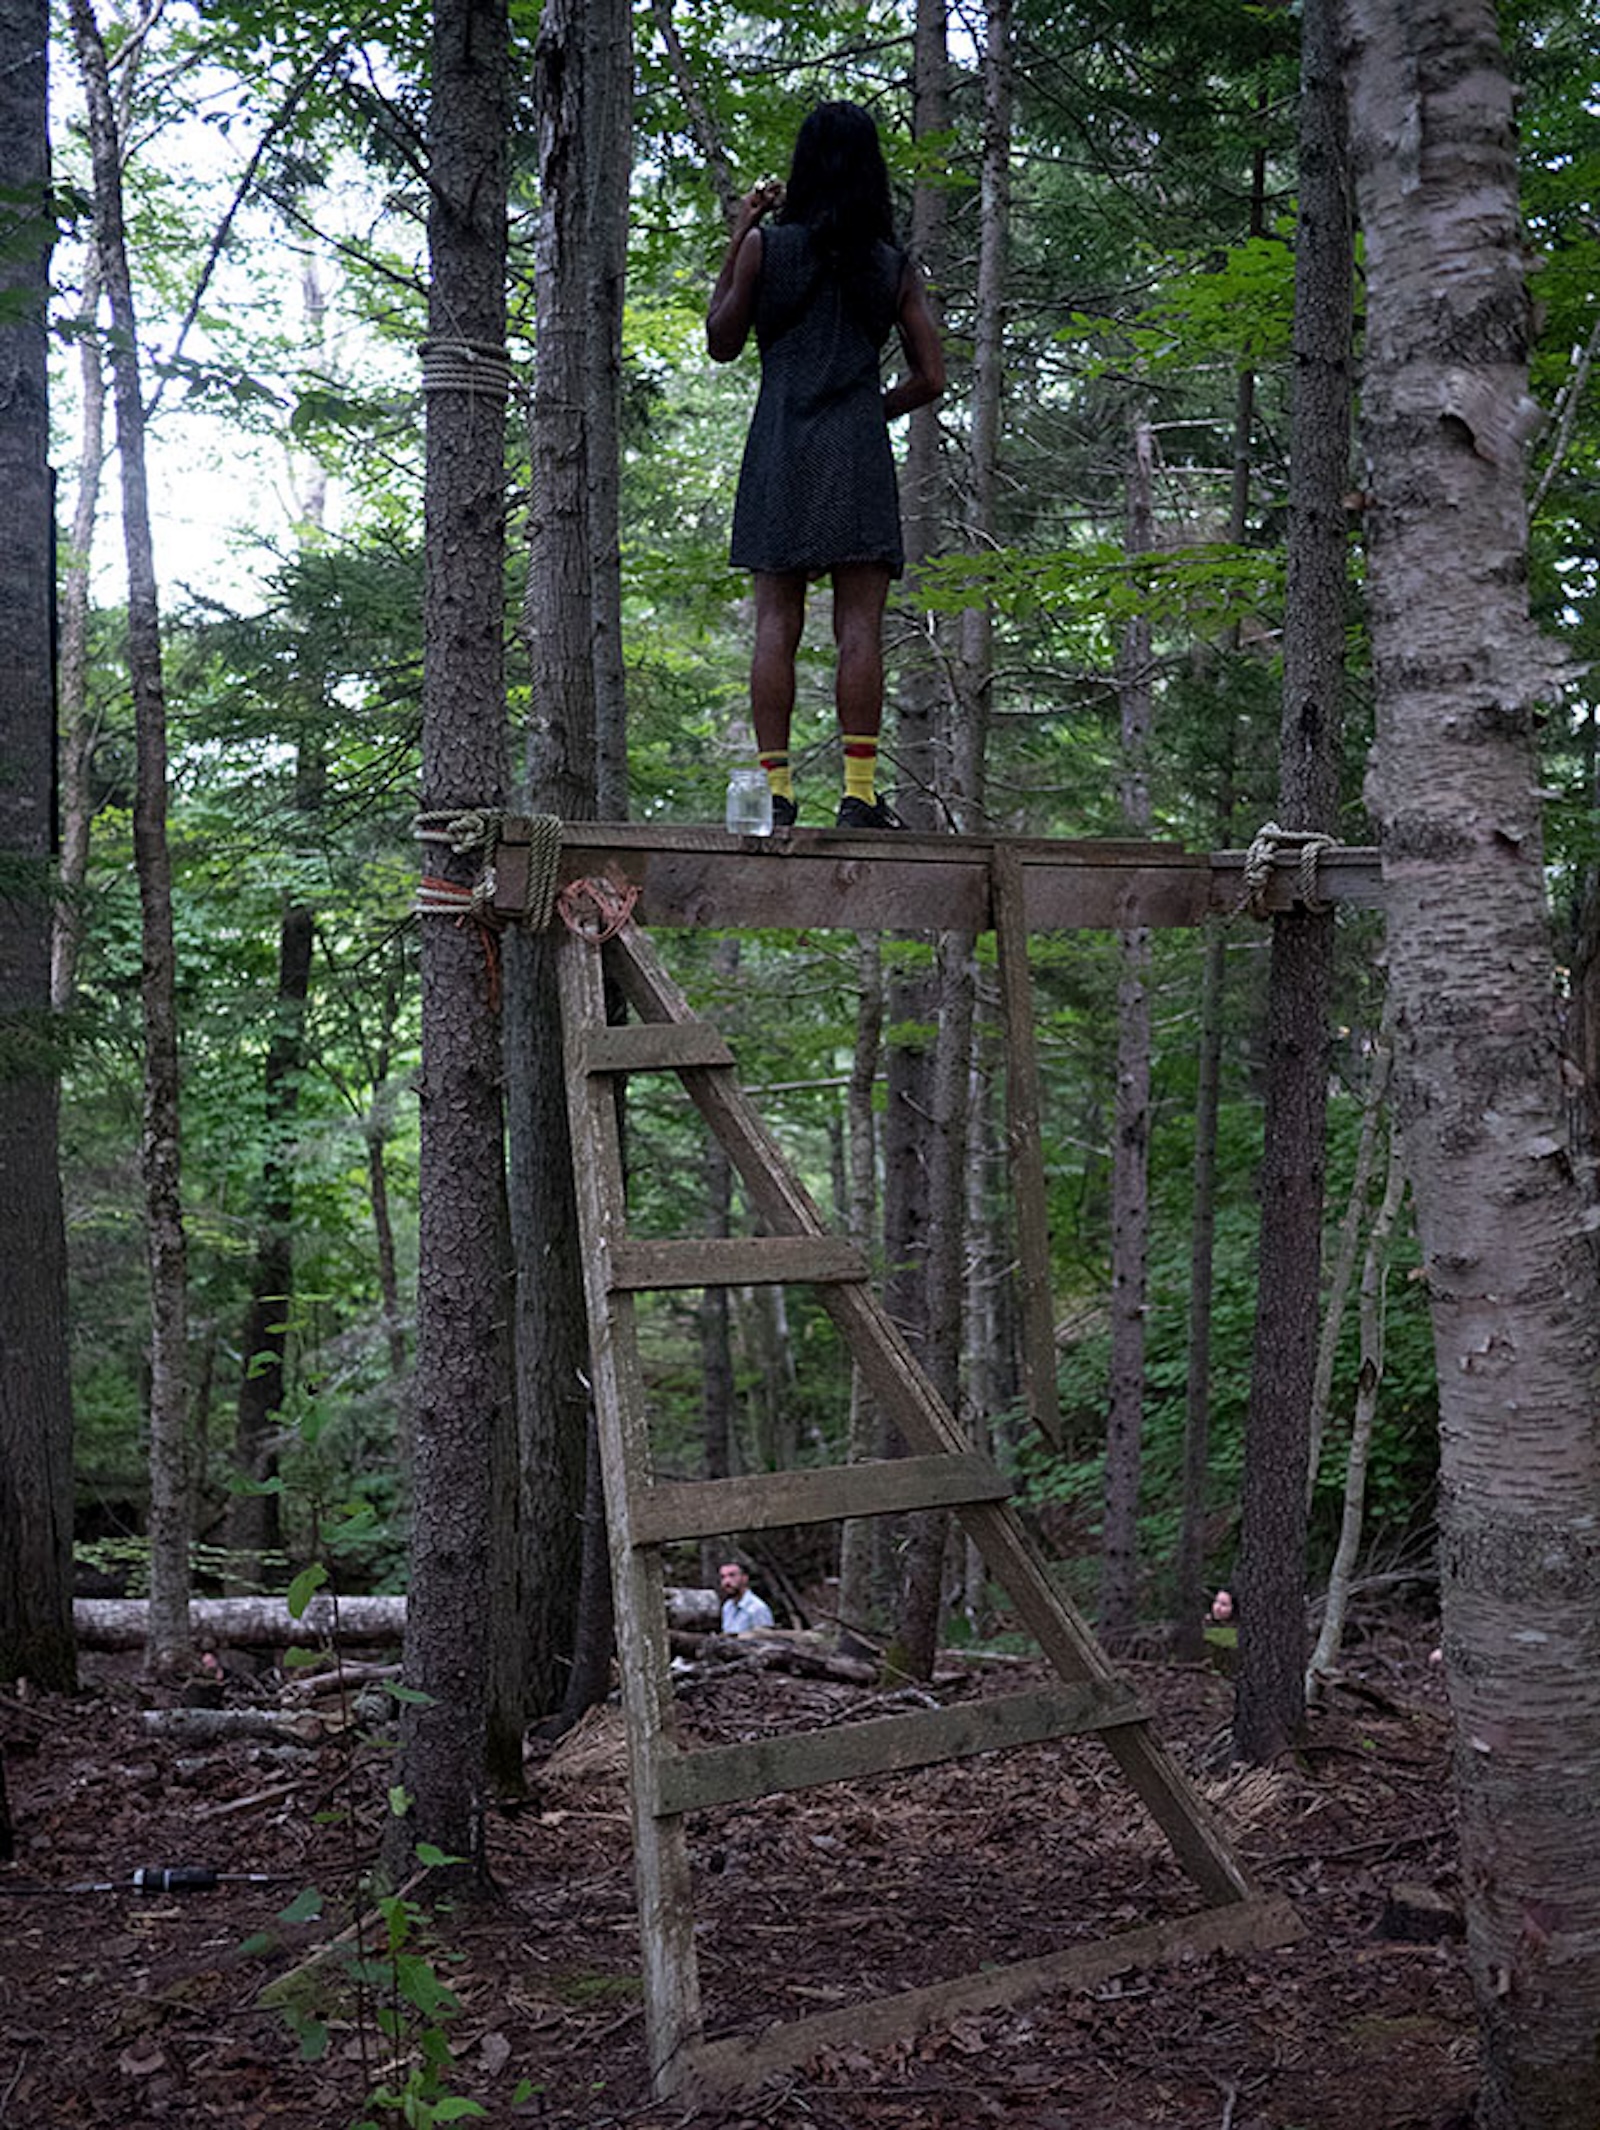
x: 35, y: 1403
x: 463, y: 1361
x: 1130, y: 1158
x: 570, y: 626
x: 1270, y: 1708
x: 1504, y: 1223
x: 166, y: 1245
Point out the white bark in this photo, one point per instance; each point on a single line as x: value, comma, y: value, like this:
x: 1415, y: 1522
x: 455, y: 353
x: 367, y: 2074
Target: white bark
x: 265, y: 1622
x: 1503, y: 1222
x: 1374, y: 1284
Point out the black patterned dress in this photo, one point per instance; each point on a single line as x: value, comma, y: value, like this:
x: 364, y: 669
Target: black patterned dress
x: 817, y: 486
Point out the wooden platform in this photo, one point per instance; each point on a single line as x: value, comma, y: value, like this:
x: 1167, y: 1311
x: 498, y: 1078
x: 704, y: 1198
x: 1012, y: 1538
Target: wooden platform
x: 904, y: 882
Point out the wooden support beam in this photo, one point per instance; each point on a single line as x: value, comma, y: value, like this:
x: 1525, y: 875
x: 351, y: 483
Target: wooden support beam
x: 821, y: 877
x: 1025, y: 1151
x: 745, y: 2060
x: 769, y: 1501
x: 889, y: 1745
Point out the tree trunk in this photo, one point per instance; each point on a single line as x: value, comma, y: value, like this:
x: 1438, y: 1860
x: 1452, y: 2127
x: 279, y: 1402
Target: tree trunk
x: 35, y: 1400
x: 1344, y: 1260
x: 76, y: 719
x: 165, y: 1241
x: 564, y: 1551
x: 1503, y: 1221
x: 463, y: 1413
x: 716, y: 1343
x: 1188, y: 1641
x: 1189, y: 1567
x: 1270, y: 1708
x: 608, y: 142
x: 921, y: 772
x: 1130, y: 1146
x: 1369, y: 1379
x: 254, y: 1526
x: 857, y: 1537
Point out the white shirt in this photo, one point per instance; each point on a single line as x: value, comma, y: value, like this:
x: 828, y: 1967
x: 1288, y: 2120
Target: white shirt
x: 742, y: 1615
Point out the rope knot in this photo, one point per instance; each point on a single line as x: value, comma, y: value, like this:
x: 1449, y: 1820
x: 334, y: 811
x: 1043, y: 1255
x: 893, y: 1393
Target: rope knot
x: 596, y: 910
x: 1270, y: 843
x: 464, y: 829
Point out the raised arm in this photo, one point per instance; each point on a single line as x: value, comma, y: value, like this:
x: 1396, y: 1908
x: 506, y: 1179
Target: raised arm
x: 920, y: 344
x: 733, y: 300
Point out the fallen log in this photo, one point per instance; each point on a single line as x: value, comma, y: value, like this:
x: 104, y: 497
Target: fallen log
x: 264, y: 1622
x: 245, y: 1622
x: 211, y: 1726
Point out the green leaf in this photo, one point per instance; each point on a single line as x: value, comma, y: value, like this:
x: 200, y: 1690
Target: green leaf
x: 304, y: 1908
x: 412, y: 1694
x: 303, y: 1659
x: 304, y: 1587
x: 399, y: 1800
x: 432, y: 1857
x: 454, y: 2109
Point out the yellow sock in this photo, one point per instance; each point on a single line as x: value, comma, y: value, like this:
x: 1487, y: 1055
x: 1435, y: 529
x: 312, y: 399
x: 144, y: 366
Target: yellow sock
x: 860, y: 765
x: 780, y: 780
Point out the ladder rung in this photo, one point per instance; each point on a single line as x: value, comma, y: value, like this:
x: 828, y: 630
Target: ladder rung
x: 725, y: 1774
x: 735, y: 1261
x: 769, y: 1501
x: 654, y: 1046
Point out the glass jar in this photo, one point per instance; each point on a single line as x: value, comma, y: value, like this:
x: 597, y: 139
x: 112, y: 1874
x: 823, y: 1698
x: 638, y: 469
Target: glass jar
x: 749, y: 803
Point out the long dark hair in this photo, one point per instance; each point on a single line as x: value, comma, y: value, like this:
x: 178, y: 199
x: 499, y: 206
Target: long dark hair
x: 839, y: 186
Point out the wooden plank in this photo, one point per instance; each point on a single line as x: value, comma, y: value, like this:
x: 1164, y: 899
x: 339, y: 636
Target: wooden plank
x: 769, y: 1501
x: 742, y: 2061
x: 889, y: 1745
x: 1025, y: 1151
x: 1351, y: 874
x: 735, y: 1261
x: 662, y: 1879
x: 657, y: 1046
x: 690, y: 875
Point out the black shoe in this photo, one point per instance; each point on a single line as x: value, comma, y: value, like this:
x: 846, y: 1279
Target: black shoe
x: 859, y: 813
x: 784, y: 811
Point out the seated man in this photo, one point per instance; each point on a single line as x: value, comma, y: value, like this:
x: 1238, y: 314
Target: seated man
x: 742, y: 1611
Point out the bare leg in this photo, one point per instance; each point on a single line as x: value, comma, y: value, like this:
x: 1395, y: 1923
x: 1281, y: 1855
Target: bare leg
x: 860, y: 592
x: 780, y: 617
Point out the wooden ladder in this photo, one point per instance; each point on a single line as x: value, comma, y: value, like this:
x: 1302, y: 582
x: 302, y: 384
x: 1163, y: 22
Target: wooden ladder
x: 644, y: 1515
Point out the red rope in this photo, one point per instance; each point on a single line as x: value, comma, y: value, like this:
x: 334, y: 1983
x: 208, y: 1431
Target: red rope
x: 596, y: 910
x: 443, y: 896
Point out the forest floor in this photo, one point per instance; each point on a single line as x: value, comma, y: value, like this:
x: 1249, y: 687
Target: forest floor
x: 132, y: 2009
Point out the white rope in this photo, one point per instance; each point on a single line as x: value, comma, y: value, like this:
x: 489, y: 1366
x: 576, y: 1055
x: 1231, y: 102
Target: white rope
x: 464, y: 828
x: 466, y: 366
x: 1270, y: 843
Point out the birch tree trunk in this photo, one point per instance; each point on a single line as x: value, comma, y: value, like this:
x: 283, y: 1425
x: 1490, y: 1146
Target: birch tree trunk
x: 160, y: 1160
x: 35, y: 1399
x: 463, y: 1401
x: 1130, y: 1155
x: 1504, y: 1223
x: 1270, y: 1707
x: 1369, y: 1380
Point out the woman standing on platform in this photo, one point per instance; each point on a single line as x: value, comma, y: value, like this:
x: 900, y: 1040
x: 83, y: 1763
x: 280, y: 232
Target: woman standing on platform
x: 823, y: 286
